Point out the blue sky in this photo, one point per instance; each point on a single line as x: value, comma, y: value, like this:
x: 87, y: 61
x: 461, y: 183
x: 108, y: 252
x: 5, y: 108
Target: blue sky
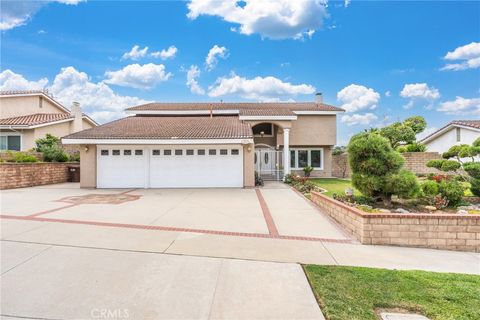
x: 382, y: 61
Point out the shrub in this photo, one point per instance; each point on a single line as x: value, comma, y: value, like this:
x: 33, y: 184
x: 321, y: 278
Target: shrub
x: 452, y: 190
x: 430, y: 188
x: 307, y: 170
x: 475, y: 187
x: 54, y: 154
x: 74, y: 157
x: 402, y: 149
x: 339, y: 150
x: 23, y: 157
x: 50, y: 141
x: 377, y: 167
x: 416, y: 147
x: 289, y: 178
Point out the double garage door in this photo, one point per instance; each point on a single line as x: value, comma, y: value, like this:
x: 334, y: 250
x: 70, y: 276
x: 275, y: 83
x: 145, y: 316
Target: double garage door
x: 169, y: 167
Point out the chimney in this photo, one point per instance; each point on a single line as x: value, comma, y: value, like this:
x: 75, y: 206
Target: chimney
x: 318, y: 97
x: 76, y: 112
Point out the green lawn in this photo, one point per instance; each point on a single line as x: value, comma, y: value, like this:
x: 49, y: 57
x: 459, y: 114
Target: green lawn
x: 352, y: 293
x: 334, y: 185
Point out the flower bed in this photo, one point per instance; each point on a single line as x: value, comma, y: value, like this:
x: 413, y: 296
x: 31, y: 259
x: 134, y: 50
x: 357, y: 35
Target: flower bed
x: 427, y: 230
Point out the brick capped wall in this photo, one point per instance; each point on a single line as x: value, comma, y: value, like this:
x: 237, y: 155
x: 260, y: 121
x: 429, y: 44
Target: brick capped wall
x: 435, y: 231
x: 21, y: 175
x: 414, y: 161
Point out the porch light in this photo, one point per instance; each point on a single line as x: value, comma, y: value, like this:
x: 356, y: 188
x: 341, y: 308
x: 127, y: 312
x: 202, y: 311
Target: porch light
x: 86, y: 149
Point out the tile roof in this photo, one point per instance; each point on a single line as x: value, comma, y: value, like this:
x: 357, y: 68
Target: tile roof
x: 267, y: 112
x: 156, y: 127
x: 294, y: 106
x: 35, y: 119
x: 466, y: 123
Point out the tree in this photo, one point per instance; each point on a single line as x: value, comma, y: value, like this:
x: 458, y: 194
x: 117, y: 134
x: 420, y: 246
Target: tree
x: 403, y: 132
x: 377, y: 168
x: 339, y: 150
x: 468, y: 170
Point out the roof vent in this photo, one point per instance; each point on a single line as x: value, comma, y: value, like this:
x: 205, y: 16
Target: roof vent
x: 318, y: 97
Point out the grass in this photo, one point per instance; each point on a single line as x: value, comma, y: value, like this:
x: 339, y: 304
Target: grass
x: 333, y: 185
x: 353, y: 293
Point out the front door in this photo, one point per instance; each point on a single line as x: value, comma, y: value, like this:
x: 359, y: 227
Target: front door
x: 268, y: 164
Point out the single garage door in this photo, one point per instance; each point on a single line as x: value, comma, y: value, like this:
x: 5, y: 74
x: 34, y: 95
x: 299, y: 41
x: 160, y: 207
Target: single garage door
x: 170, y: 167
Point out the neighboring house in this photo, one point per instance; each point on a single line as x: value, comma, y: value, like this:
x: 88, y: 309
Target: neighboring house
x: 454, y: 133
x: 179, y: 145
x: 26, y: 116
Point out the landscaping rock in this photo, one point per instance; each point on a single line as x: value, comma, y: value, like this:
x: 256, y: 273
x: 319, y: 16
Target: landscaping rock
x: 384, y: 211
x: 401, y: 210
x: 401, y: 316
x: 430, y: 208
x: 462, y: 212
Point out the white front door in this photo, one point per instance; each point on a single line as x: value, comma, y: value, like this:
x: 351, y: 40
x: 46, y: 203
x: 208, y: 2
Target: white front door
x: 169, y: 167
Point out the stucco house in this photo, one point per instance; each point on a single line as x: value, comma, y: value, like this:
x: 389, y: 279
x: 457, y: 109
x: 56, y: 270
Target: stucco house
x: 455, y: 132
x: 180, y: 145
x: 26, y: 116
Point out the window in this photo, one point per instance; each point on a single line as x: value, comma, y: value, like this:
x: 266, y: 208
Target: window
x: 459, y: 136
x: 212, y: 152
x: 300, y: 158
x: 178, y: 152
x: 155, y: 152
x: 223, y: 152
x: 167, y: 152
x: 115, y: 152
x: 235, y: 152
x: 10, y: 142
x: 201, y: 152
x: 127, y: 152
x: 263, y: 130
x: 139, y: 152
x: 189, y: 152
x: 104, y: 152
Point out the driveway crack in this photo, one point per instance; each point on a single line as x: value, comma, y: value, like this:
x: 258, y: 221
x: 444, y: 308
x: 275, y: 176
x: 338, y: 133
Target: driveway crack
x: 23, y: 262
x: 215, y: 290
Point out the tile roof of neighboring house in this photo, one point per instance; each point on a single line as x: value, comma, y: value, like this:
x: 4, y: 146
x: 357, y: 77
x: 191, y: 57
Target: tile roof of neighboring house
x: 295, y: 106
x: 267, y: 112
x: 35, y: 119
x: 145, y: 127
x: 475, y: 124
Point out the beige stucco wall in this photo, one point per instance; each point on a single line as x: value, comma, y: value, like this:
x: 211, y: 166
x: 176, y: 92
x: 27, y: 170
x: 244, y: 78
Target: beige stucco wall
x: 312, y: 131
x: 248, y: 165
x: 24, y: 105
x: 88, y: 166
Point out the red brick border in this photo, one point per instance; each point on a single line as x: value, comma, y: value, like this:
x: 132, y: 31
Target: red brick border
x: 272, y: 228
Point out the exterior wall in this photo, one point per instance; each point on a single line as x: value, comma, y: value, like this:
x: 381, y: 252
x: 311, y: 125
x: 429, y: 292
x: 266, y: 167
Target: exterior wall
x: 435, y: 231
x: 340, y: 166
x: 312, y: 131
x: 24, y: 105
x: 21, y: 175
x: 88, y: 166
x: 443, y: 142
x: 248, y: 165
x: 271, y: 141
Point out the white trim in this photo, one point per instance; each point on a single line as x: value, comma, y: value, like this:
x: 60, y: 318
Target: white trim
x: 34, y: 126
x: 266, y: 146
x: 86, y: 117
x: 14, y: 134
x: 446, y: 129
x: 267, y: 117
x: 317, y: 112
x: 309, y: 158
x: 183, y: 112
x: 157, y: 141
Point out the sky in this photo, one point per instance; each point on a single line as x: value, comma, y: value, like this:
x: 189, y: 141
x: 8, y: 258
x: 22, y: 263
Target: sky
x: 382, y: 61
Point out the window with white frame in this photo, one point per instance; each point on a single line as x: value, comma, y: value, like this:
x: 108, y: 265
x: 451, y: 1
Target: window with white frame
x: 10, y: 142
x: 302, y: 157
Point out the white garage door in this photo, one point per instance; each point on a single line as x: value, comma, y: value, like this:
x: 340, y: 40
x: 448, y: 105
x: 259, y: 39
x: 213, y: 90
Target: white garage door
x: 170, y: 167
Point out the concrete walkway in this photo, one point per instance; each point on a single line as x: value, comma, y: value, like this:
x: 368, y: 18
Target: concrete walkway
x: 65, y: 282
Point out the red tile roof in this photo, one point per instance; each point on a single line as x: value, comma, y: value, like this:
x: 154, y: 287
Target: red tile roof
x: 35, y: 119
x: 294, y: 106
x: 267, y: 112
x: 157, y: 127
x: 466, y: 123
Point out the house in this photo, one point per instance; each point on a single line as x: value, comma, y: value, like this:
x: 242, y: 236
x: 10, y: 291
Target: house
x: 456, y: 132
x: 180, y: 145
x: 26, y: 116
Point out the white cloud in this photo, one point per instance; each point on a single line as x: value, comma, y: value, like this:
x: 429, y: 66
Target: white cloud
x: 274, y: 19
x: 356, y: 118
x: 258, y: 88
x: 10, y: 80
x: 17, y: 13
x: 357, y: 97
x: 165, y: 54
x: 461, y: 106
x: 213, y: 54
x: 192, y: 74
x: 419, y: 91
x: 138, y: 76
x: 388, y: 93
x: 467, y: 56
x: 347, y: 3
x: 135, y: 53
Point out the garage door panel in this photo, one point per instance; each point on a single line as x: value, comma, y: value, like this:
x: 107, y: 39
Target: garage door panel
x: 125, y: 170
